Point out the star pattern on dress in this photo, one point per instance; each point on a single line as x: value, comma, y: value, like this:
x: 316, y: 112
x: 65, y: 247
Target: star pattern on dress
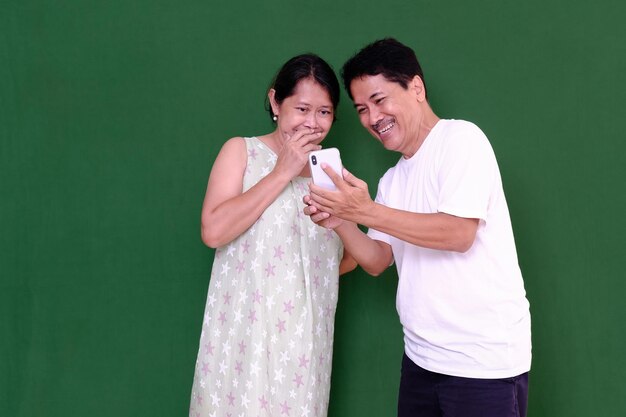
x: 297, y: 380
x: 279, y: 376
x: 303, y: 361
x: 278, y: 252
x: 269, y: 320
x: 278, y: 220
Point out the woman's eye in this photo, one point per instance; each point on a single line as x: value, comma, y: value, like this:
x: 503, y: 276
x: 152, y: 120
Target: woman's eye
x: 360, y: 110
x: 302, y: 109
x: 378, y: 101
x: 325, y: 112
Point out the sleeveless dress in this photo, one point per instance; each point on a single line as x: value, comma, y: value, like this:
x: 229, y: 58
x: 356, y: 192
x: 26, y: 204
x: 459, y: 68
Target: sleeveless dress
x: 267, y: 336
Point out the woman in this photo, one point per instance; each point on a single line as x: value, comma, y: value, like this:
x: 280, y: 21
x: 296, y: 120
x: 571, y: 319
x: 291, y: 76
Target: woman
x: 266, y: 342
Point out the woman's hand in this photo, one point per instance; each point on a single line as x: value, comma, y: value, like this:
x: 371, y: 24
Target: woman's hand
x: 319, y: 217
x: 294, y: 154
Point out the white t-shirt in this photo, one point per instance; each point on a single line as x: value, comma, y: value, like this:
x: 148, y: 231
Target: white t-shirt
x: 463, y: 314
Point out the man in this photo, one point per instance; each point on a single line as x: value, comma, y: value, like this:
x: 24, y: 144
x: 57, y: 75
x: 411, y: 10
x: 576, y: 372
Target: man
x: 441, y: 215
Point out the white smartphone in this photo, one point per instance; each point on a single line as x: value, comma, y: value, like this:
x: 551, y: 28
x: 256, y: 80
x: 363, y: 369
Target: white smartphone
x: 329, y: 156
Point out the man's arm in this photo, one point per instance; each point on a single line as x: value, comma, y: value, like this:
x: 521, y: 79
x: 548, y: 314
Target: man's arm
x: 374, y: 256
x: 352, y: 202
x: 439, y: 231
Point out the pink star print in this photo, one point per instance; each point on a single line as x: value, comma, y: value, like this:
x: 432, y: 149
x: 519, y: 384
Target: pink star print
x: 222, y: 318
x: 288, y: 307
x: 281, y: 325
x: 252, y: 316
x: 298, y: 380
x: 242, y: 347
x: 304, y: 362
x: 278, y: 252
x: 263, y: 402
x: 270, y: 269
x: 231, y: 399
x: 284, y: 408
x: 256, y: 297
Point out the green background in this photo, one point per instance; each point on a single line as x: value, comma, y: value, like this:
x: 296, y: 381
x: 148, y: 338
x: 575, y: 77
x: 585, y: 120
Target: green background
x: 112, y: 112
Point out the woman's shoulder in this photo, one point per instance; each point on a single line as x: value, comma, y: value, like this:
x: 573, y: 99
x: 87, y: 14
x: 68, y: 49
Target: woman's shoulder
x: 242, y: 141
x: 235, y: 141
x: 235, y: 144
x: 234, y: 149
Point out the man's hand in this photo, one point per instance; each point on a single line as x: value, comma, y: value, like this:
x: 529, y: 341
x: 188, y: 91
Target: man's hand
x: 348, y: 202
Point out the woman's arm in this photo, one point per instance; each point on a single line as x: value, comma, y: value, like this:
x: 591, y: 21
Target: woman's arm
x: 226, y: 211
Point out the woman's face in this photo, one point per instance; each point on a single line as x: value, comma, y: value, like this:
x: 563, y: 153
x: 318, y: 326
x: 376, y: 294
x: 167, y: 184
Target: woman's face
x: 309, y: 107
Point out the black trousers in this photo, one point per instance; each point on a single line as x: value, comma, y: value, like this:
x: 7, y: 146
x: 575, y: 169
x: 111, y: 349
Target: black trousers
x: 429, y: 394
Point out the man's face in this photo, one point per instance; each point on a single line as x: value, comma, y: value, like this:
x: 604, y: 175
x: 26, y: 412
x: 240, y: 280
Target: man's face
x: 391, y: 113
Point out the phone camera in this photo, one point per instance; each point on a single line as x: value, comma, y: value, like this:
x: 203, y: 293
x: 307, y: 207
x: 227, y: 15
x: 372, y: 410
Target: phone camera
x: 314, y: 160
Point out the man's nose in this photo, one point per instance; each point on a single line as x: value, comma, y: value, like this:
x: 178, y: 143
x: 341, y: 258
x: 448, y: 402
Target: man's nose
x: 375, y: 117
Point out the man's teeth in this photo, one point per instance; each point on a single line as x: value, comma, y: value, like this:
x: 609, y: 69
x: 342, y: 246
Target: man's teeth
x: 386, y: 128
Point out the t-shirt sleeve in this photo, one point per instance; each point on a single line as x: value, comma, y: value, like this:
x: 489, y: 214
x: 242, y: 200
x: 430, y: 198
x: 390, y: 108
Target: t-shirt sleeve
x: 373, y: 233
x: 468, y: 171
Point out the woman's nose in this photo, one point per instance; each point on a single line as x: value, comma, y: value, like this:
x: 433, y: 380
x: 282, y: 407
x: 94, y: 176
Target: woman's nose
x: 311, y: 121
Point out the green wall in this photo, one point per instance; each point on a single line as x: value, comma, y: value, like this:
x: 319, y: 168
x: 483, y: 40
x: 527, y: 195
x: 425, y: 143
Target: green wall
x: 112, y: 112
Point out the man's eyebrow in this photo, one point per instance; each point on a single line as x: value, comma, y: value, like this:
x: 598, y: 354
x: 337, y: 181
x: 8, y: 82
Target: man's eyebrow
x: 370, y: 98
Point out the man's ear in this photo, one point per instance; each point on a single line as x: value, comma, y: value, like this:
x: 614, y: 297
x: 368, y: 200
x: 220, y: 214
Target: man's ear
x: 417, y: 85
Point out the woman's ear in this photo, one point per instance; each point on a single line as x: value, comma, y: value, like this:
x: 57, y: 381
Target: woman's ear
x: 271, y: 95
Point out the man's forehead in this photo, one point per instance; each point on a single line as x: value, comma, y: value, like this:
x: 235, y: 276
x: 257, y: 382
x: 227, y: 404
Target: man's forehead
x: 367, y: 87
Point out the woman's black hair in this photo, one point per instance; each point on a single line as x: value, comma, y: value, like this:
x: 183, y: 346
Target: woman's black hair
x: 394, y: 60
x: 299, y: 68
